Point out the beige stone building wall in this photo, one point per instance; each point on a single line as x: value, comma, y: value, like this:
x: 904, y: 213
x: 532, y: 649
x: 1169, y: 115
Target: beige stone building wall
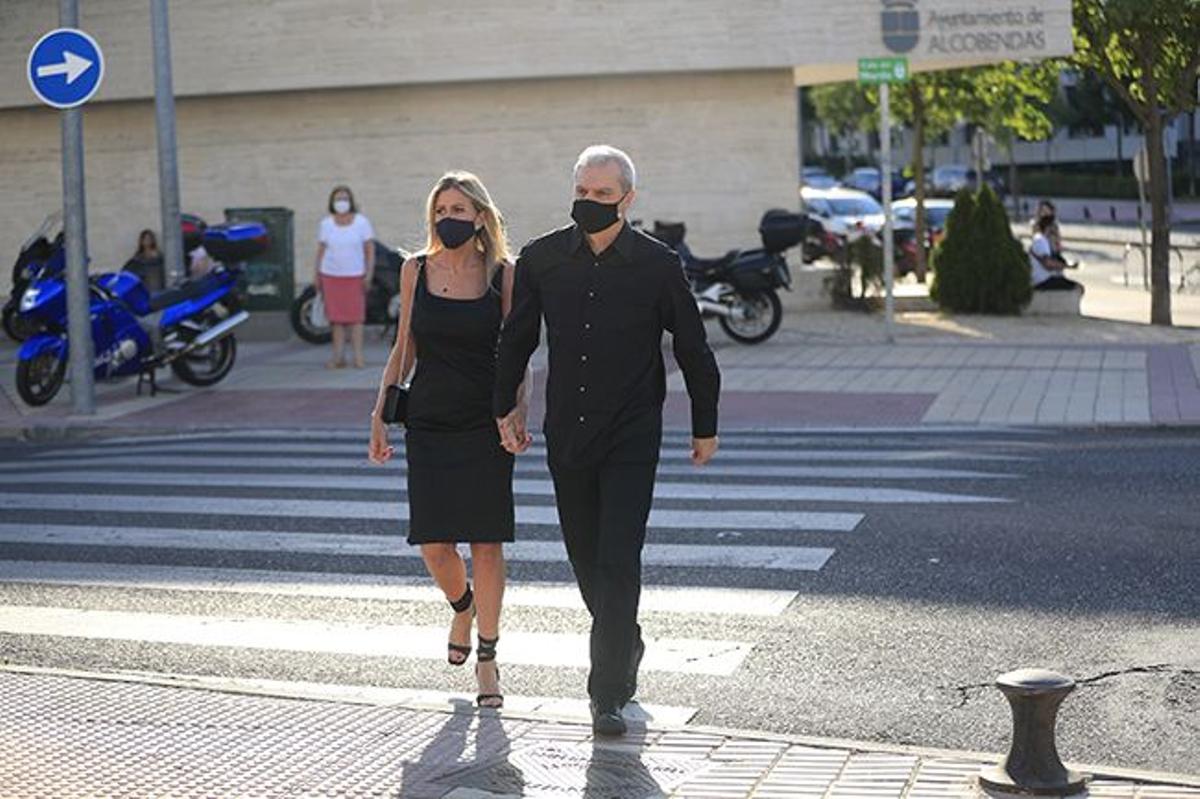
x: 279, y: 99
x: 243, y: 46
x: 714, y: 150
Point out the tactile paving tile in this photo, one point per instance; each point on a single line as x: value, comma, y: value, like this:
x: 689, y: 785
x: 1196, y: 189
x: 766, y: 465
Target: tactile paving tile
x: 802, y: 771
x: 558, y: 769
x: 74, y: 737
x: 941, y: 779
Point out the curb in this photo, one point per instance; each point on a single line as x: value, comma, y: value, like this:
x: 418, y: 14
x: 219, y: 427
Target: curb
x: 184, y: 682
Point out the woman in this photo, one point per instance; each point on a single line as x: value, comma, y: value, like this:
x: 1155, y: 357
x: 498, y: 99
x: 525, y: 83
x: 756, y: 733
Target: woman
x: 454, y: 297
x: 345, y: 268
x: 147, y: 263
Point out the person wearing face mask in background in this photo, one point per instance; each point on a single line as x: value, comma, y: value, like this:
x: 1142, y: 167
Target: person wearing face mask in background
x: 454, y: 296
x: 344, y: 270
x: 1050, y: 229
x: 607, y: 293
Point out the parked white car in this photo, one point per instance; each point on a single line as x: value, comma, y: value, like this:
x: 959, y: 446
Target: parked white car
x: 844, y: 212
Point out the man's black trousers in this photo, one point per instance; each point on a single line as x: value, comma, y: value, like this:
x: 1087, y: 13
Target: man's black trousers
x: 603, y: 508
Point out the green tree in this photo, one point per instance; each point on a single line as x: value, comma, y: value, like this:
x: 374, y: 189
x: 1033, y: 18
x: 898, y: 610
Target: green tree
x: 1148, y: 51
x: 845, y: 109
x: 1010, y: 102
x: 927, y: 104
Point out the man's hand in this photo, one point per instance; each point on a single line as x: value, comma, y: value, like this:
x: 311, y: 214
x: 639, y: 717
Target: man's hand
x: 513, y: 435
x: 703, y: 450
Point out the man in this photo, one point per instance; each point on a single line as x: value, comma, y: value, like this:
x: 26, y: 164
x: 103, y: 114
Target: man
x: 607, y: 293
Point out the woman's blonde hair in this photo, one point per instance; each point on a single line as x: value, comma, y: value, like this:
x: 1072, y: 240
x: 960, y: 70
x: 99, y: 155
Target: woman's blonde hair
x: 491, y: 240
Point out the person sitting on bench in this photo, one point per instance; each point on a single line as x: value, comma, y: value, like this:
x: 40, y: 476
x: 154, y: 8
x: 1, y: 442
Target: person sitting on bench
x: 1045, y: 266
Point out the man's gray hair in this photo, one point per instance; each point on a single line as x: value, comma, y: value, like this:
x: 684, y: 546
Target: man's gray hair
x: 601, y: 154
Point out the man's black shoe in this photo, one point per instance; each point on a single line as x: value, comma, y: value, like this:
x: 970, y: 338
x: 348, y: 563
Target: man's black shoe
x: 606, y: 719
x: 639, y: 649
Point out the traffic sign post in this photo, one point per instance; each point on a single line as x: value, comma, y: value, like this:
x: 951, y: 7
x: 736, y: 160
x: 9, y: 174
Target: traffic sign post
x: 65, y: 68
x: 884, y: 72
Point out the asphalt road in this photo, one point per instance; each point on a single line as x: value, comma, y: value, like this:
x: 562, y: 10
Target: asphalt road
x: 966, y: 554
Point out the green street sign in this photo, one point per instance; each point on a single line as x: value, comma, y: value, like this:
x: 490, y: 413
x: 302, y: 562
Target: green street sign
x: 883, y: 70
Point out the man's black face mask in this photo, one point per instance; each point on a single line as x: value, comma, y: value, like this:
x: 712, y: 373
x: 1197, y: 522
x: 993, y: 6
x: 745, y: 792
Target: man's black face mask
x: 593, y: 216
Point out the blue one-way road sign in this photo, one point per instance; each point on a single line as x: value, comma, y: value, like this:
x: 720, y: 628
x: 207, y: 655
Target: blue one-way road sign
x: 65, y: 68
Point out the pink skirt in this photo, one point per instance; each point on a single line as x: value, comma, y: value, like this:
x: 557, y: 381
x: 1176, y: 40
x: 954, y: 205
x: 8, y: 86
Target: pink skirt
x: 345, y: 300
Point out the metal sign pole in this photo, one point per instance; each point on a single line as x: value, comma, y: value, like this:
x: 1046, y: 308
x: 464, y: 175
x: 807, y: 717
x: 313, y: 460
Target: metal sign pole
x: 168, y: 164
x: 79, y: 322
x: 885, y: 186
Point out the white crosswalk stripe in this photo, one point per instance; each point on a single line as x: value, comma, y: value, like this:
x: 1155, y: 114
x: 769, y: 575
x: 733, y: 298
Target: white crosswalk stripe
x: 256, y: 516
x: 524, y: 467
x: 789, y: 558
x: 664, y: 489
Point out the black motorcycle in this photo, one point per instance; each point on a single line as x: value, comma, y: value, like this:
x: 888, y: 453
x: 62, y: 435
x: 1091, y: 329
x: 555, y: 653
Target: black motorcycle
x: 383, y: 300
x: 741, y: 288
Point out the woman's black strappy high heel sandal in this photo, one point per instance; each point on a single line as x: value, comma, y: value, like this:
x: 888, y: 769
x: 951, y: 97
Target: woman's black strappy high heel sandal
x: 487, y: 654
x: 457, y: 654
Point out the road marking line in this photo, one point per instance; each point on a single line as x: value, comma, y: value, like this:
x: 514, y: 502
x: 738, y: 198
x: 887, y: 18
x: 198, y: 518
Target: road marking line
x: 394, y: 511
x: 664, y: 489
x: 389, y: 588
x: 724, y: 556
x: 524, y: 467
x: 561, y: 650
x: 334, y: 450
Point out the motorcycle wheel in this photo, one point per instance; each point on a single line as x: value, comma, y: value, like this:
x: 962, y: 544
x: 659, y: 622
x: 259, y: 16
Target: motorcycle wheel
x: 763, y: 313
x: 17, y: 327
x: 40, y: 378
x: 302, y: 319
x: 207, y: 365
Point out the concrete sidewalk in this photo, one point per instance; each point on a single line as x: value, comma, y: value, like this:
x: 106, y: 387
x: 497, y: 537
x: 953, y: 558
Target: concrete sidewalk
x: 72, y: 734
x: 823, y: 368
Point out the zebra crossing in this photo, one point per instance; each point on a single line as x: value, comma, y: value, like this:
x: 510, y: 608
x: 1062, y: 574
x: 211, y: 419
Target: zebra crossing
x: 291, y: 517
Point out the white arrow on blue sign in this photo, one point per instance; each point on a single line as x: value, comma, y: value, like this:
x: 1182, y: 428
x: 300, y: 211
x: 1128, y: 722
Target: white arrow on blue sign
x: 65, y: 68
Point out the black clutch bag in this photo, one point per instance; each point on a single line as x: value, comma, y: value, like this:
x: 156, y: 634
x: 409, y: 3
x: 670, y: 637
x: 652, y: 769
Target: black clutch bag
x: 395, y: 405
x: 395, y: 398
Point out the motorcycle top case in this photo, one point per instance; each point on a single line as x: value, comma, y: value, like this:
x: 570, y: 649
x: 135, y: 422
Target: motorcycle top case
x: 128, y: 288
x: 236, y: 241
x: 780, y: 229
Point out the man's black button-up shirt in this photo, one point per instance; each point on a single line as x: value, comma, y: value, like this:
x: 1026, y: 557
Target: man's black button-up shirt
x: 605, y: 315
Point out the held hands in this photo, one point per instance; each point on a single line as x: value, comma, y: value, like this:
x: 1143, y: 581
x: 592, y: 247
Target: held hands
x: 513, y: 435
x: 378, y: 451
x: 703, y: 450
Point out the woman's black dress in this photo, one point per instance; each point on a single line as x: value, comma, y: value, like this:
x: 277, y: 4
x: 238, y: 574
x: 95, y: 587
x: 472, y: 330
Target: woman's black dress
x: 459, y: 477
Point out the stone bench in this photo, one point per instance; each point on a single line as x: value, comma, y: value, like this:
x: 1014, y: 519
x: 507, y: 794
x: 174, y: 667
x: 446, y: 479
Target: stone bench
x: 1054, y: 303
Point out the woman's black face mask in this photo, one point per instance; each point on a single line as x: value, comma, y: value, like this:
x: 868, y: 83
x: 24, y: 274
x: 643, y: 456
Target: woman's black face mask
x: 454, y: 233
x: 594, y: 216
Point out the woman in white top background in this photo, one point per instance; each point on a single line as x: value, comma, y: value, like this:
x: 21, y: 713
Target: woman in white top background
x: 345, y: 267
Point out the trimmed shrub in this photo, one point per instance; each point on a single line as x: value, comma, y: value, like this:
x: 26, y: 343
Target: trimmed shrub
x: 980, y: 267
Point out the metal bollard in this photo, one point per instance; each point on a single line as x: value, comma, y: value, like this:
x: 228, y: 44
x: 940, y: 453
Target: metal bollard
x: 1032, y: 766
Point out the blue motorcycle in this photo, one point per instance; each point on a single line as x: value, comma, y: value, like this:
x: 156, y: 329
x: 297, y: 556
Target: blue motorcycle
x: 188, y: 329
